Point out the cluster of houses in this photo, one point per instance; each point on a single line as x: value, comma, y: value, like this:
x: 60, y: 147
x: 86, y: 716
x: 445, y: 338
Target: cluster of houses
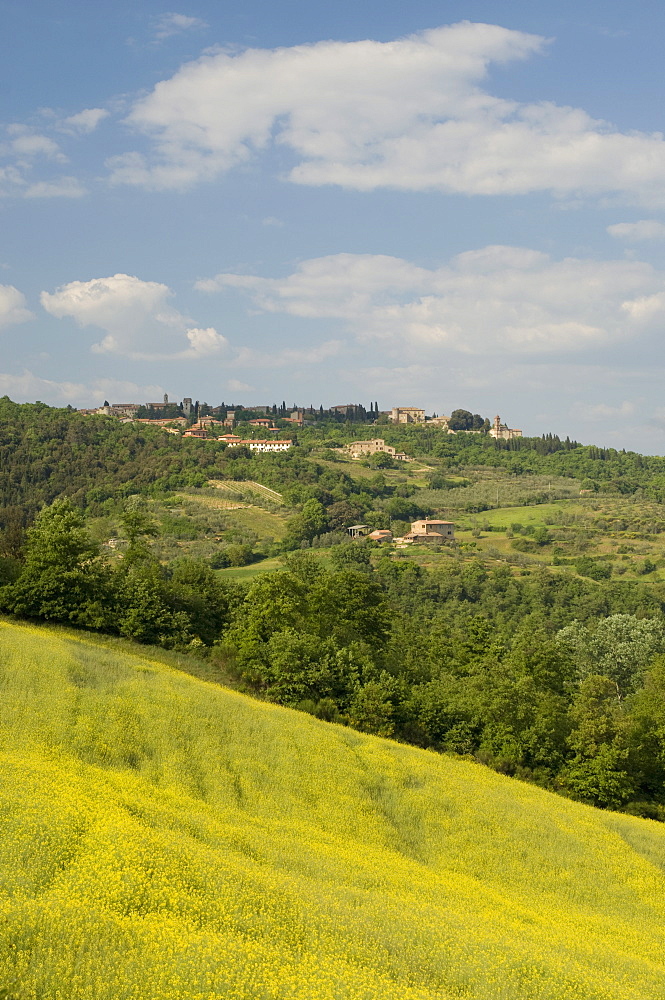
x: 202, y: 428
x: 189, y: 409
x: 373, y: 446
x: 176, y: 415
x: 414, y: 415
x: 428, y: 531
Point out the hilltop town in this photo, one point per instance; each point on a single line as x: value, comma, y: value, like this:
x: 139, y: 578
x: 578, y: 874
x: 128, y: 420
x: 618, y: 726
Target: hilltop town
x: 264, y: 429
x: 201, y: 420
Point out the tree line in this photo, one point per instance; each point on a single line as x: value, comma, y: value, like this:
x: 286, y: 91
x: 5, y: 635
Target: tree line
x: 552, y: 679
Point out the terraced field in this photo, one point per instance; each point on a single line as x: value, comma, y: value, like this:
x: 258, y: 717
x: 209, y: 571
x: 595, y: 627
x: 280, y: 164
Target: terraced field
x: 247, y: 489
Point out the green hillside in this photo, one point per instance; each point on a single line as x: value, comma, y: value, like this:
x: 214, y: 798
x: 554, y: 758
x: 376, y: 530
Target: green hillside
x: 166, y: 838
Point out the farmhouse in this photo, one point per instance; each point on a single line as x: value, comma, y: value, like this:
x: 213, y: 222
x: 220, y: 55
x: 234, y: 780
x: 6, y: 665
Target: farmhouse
x: 431, y: 531
x: 361, y: 449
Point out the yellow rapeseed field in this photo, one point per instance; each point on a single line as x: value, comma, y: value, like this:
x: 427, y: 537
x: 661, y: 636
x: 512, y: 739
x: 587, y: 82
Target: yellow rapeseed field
x: 165, y: 839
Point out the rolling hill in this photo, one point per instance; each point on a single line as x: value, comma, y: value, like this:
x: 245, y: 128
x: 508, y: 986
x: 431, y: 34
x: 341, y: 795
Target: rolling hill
x: 167, y: 839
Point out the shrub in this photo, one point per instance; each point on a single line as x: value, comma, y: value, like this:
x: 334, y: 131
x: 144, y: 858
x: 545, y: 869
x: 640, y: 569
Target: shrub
x: 239, y: 554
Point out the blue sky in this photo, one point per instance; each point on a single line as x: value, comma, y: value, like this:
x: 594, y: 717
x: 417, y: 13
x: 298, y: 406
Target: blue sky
x: 438, y: 204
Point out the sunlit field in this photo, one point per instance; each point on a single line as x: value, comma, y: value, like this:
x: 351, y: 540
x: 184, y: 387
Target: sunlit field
x: 250, y: 572
x: 167, y: 838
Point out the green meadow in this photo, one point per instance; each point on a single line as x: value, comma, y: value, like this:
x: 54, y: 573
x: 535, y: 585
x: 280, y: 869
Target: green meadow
x: 252, y: 570
x: 168, y: 839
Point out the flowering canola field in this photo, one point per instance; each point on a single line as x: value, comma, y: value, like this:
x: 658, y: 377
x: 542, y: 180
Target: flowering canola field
x: 166, y: 839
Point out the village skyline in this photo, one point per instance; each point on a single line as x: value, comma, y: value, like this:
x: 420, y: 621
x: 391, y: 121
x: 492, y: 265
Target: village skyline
x: 460, y: 203
x: 200, y: 416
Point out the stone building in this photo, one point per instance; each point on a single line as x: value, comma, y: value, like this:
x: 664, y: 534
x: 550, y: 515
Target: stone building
x: 159, y: 406
x: 502, y: 432
x: 431, y: 532
x: 124, y: 409
x: 442, y: 422
x: 361, y: 449
x: 407, y: 415
x: 119, y: 409
x: 297, y: 418
x: 162, y: 422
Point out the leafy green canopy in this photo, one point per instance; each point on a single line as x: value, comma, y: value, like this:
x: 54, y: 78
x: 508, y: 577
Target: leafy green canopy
x: 552, y: 678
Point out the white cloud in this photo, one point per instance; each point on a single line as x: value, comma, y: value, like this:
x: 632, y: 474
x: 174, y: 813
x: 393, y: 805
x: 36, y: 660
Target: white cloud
x: 121, y: 390
x: 135, y: 315
x: 236, y: 386
x: 26, y: 148
x: 60, y: 187
x: 410, y: 114
x: 495, y: 300
x: 203, y: 343
x: 602, y: 411
x: 12, y: 181
x: 635, y: 232
x: 657, y: 420
x: 342, y: 285
x: 310, y: 355
x: 84, y: 121
x: 644, y: 308
x: 12, y: 306
x: 167, y: 25
x: 290, y: 355
x: 26, y: 144
x: 28, y: 387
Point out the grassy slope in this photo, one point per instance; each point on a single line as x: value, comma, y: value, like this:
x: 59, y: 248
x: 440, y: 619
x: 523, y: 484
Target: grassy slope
x: 266, y: 524
x: 248, y: 573
x: 166, y: 838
